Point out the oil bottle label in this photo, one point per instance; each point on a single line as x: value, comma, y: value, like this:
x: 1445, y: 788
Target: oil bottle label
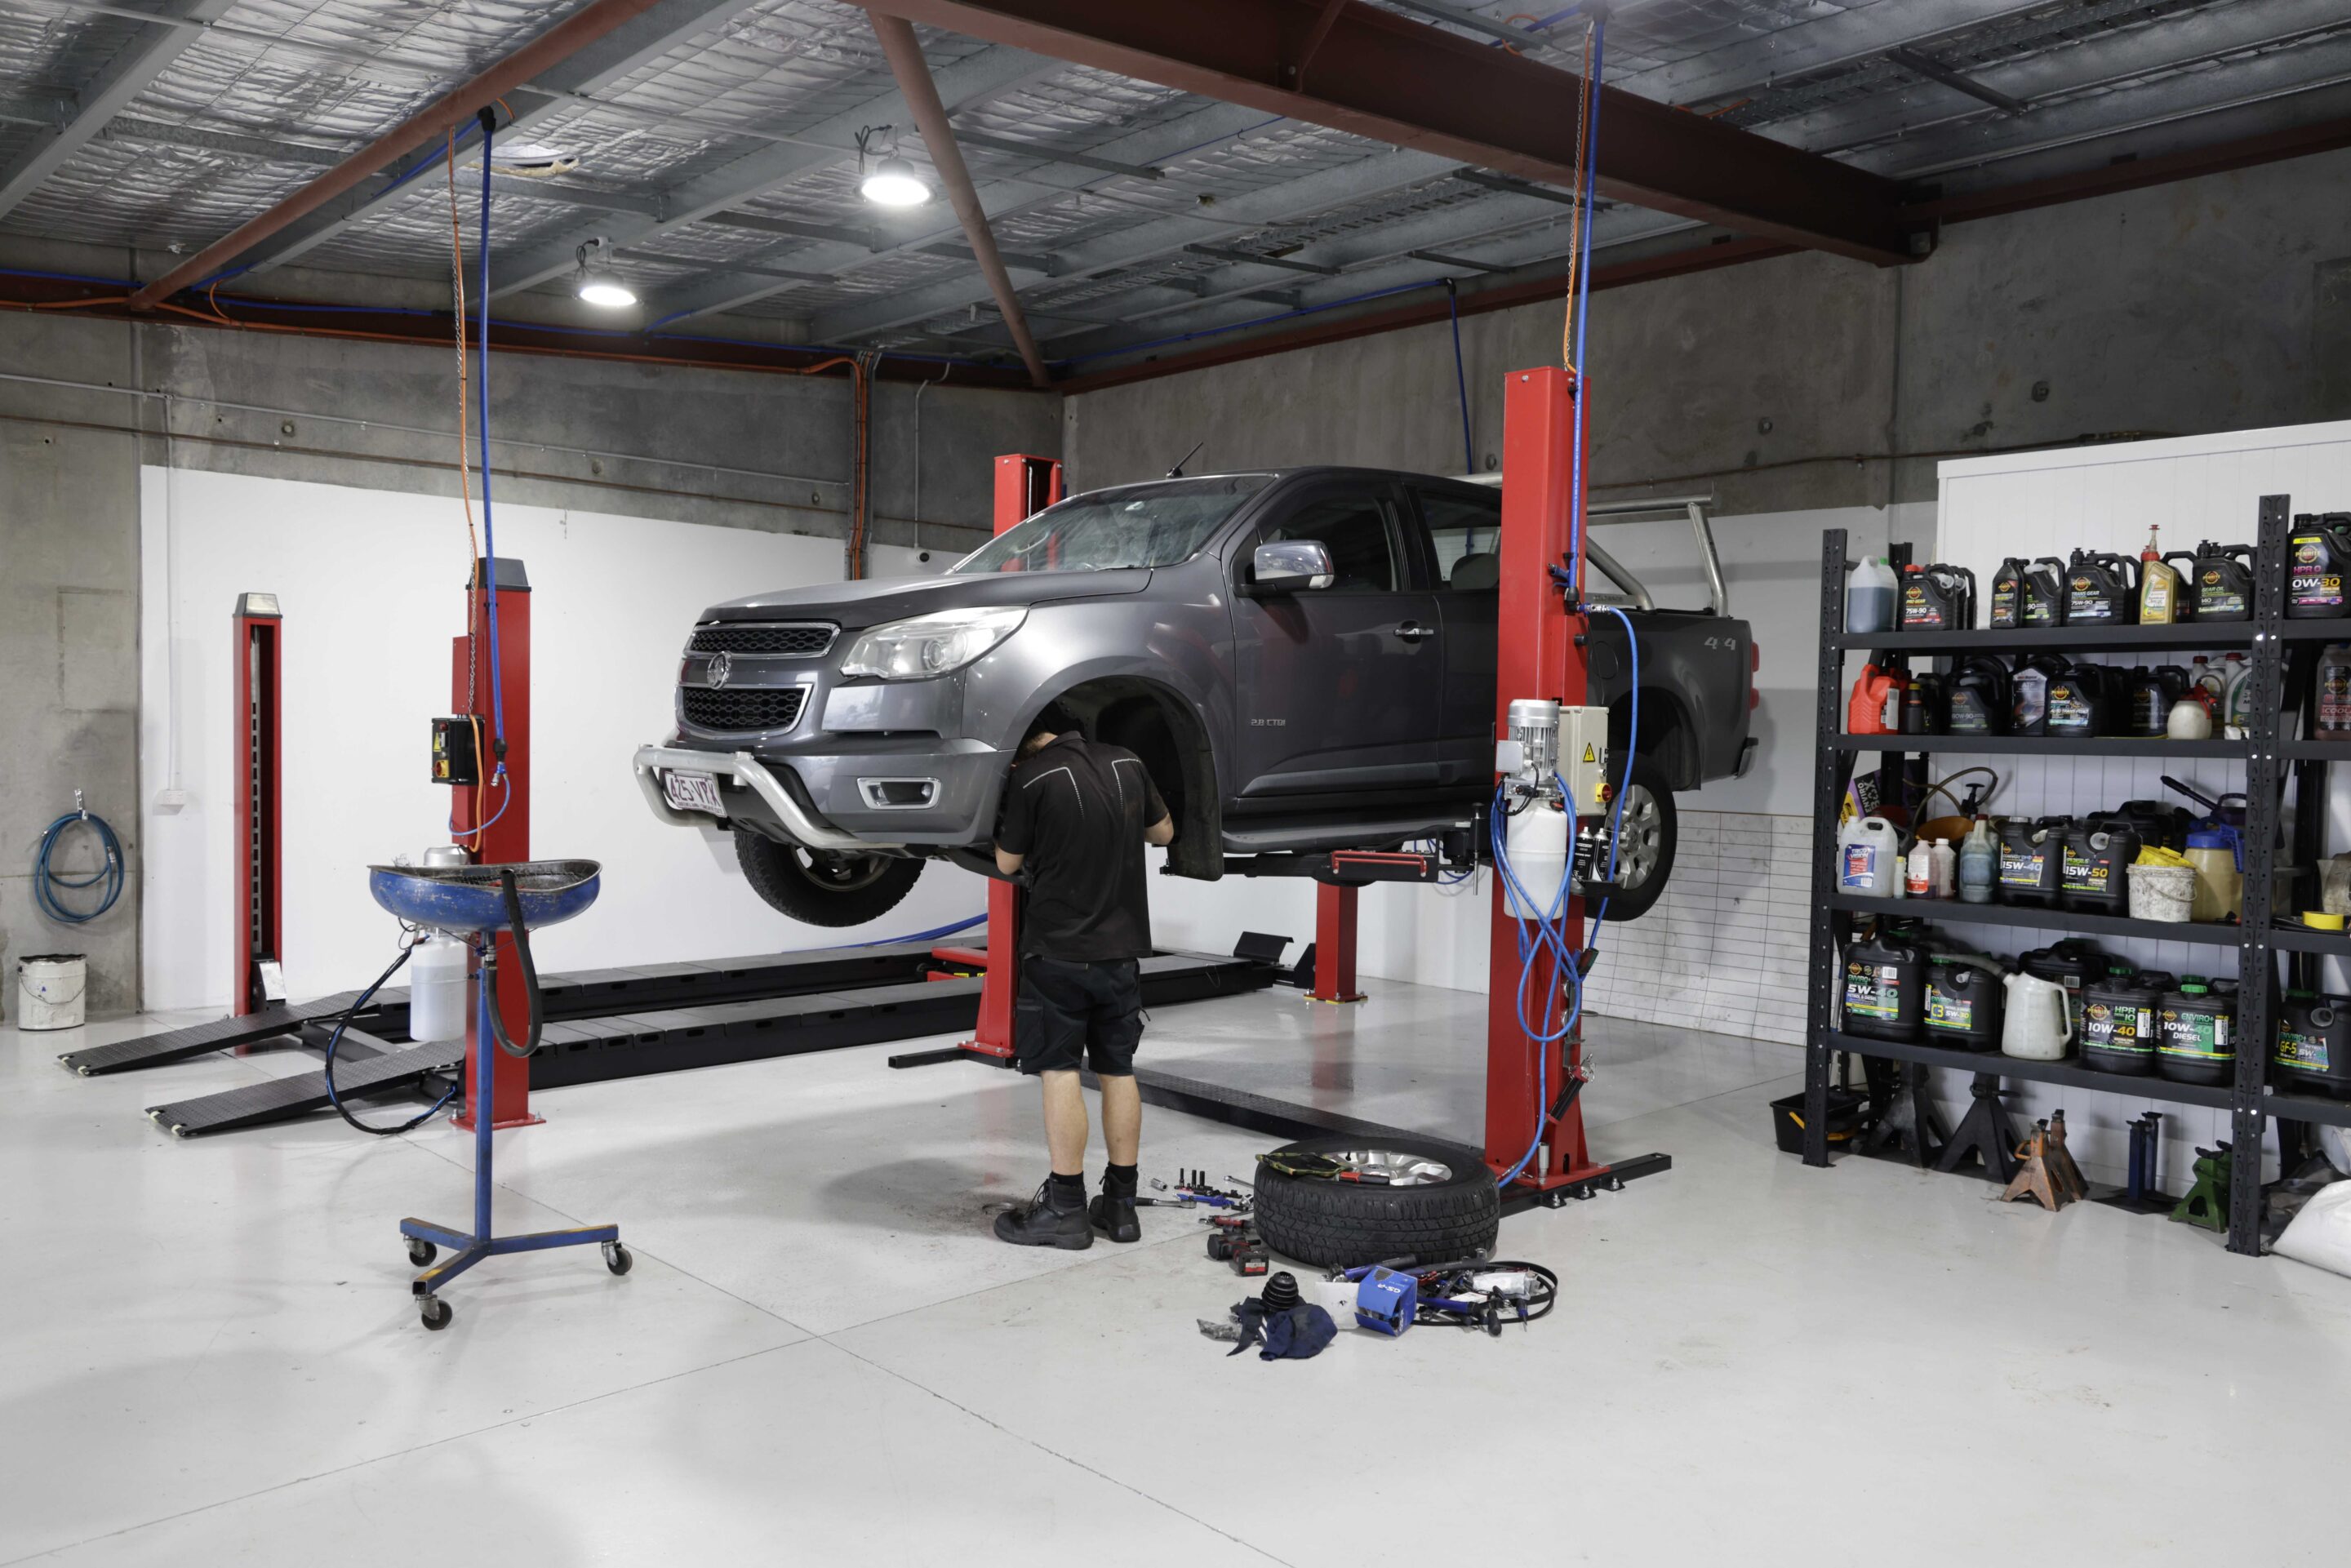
x: 2039, y: 611
x: 1918, y: 614
x: 2214, y: 601
x: 1860, y: 866
x: 2127, y: 1030
x: 2086, y: 874
x: 2003, y: 603
x: 2068, y: 708
x: 2308, y: 581
x: 2335, y: 698
x: 1949, y: 1012
x: 2155, y: 598
x: 2087, y: 602
x: 1868, y: 996
x: 2196, y: 1034
x: 2021, y: 868
x: 2296, y: 1049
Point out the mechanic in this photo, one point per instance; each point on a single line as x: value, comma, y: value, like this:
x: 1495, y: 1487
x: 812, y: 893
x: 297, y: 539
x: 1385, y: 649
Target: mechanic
x: 1076, y: 816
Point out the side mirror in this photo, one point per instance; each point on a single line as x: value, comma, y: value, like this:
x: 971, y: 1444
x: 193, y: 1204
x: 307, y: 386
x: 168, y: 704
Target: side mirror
x: 1288, y: 565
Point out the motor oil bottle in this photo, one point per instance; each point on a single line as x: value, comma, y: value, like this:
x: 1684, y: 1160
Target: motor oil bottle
x: 2158, y: 585
x: 2119, y: 1019
x: 2223, y: 576
x: 1939, y: 599
x: 2331, y: 713
x: 2146, y: 699
x: 2079, y: 704
x: 2008, y: 594
x: 2072, y: 964
x: 2313, y: 1043
x: 1979, y: 864
x: 2028, y: 711
x: 1981, y: 695
x: 1963, y: 1005
x: 2097, y: 848
x: 2154, y: 822
x: 2198, y: 1023
x: 2042, y: 593
x: 2101, y: 589
x: 1885, y: 989
x: 2318, y: 560
x: 2032, y: 860
x: 1926, y: 704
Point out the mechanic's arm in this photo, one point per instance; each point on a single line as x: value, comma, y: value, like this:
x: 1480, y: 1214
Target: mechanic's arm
x: 1010, y: 864
x: 1161, y: 832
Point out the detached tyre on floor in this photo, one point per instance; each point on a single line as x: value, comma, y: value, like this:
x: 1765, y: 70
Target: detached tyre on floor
x: 1440, y: 1204
x: 824, y: 887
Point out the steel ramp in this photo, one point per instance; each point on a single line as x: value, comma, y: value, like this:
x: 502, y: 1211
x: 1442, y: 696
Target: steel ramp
x: 221, y: 1034
x: 392, y: 1068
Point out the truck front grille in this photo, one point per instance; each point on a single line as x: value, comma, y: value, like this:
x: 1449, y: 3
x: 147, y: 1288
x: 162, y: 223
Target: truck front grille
x: 803, y: 640
x: 744, y: 708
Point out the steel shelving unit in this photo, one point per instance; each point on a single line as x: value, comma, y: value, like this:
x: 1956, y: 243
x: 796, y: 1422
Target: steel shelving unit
x: 2283, y: 657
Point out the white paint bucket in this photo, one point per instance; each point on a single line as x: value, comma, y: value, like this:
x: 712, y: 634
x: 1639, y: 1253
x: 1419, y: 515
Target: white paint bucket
x: 50, y: 988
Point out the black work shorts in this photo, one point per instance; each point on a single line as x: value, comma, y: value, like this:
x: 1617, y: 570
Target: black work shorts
x: 1070, y: 1012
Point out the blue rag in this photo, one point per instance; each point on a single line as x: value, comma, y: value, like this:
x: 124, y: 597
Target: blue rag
x: 1293, y: 1335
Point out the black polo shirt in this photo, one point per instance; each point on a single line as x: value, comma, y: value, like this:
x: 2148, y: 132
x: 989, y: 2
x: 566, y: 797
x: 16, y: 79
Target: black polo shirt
x: 1076, y: 810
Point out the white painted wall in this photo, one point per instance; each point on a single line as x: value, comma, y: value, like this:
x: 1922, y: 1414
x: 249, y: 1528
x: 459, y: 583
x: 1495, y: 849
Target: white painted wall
x: 371, y: 584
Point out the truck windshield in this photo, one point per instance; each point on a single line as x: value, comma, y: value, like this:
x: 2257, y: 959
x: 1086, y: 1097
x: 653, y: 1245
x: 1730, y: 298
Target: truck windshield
x: 1138, y: 525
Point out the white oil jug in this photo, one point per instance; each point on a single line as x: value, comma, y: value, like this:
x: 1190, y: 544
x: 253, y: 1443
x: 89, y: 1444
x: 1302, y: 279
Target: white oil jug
x: 2037, y: 1026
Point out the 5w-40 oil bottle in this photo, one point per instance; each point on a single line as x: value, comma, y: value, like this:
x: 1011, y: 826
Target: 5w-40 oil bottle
x: 2119, y: 1021
x: 2318, y: 561
x: 1939, y: 599
x: 2101, y: 589
x: 2031, y: 858
x: 2197, y: 1042
x: 1884, y: 991
x: 1963, y: 1003
x: 2313, y: 1043
x: 2223, y: 579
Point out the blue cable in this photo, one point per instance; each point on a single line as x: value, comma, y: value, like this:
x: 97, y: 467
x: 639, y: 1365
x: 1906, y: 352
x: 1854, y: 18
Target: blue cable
x: 934, y: 932
x: 46, y: 881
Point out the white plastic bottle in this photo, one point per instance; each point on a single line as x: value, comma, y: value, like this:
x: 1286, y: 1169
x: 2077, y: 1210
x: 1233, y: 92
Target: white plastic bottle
x: 2238, y: 695
x: 1946, y: 869
x: 1869, y: 597
x: 1869, y: 858
x: 436, y: 989
x: 1918, y: 873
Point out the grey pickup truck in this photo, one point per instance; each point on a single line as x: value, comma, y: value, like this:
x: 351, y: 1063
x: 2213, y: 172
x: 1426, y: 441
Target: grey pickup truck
x: 1304, y: 660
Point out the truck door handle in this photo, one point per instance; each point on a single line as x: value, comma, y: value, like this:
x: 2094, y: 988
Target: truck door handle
x: 1413, y: 632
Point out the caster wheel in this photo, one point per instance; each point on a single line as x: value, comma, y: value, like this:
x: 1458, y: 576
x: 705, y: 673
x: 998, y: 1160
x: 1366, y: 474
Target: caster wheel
x: 618, y: 1259
x: 436, y: 1313
x: 421, y: 1253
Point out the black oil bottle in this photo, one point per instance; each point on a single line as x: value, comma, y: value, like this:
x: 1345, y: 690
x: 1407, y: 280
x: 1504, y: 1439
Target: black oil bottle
x: 1884, y: 989
x: 2008, y: 594
x: 2041, y: 600
x: 2313, y: 1043
x: 2119, y: 1022
x: 2031, y: 858
x: 1980, y: 696
x: 2097, y: 848
x: 2101, y: 589
x: 2318, y: 561
x: 2198, y: 1022
x: 2082, y: 701
x: 2223, y: 576
x: 1939, y: 599
x: 1963, y: 1004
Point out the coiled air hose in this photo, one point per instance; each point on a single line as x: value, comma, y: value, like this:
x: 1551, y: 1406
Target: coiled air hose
x: 47, y: 879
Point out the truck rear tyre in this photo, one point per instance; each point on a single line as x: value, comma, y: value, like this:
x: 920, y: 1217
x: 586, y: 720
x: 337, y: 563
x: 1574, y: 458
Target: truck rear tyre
x: 1645, y: 856
x: 824, y: 887
x: 1441, y: 1204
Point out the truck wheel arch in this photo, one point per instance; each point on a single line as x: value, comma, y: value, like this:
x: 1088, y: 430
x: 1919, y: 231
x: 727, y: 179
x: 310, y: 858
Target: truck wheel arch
x: 1159, y: 726
x: 1668, y: 734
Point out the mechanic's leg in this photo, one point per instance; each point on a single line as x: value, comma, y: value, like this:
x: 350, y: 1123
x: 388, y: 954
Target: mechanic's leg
x: 1065, y: 1122
x: 1122, y: 1121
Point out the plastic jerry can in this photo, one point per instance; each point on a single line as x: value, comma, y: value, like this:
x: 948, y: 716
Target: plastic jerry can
x: 1963, y: 1006
x: 2219, y: 881
x: 2198, y: 1040
x: 2223, y: 578
x: 2313, y: 1043
x: 2096, y: 851
x: 1981, y: 695
x: 2119, y: 1026
x: 2317, y: 559
x: 2331, y: 715
x: 2031, y: 858
x: 1939, y: 599
x: 2042, y: 595
x: 2101, y: 589
x: 1884, y: 989
x: 1876, y: 705
x: 1869, y: 597
x: 1869, y: 858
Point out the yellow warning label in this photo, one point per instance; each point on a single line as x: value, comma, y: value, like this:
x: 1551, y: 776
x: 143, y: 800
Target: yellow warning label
x: 1588, y: 756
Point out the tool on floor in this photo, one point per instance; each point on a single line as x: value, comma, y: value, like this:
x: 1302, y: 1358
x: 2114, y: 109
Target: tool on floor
x: 1233, y: 1238
x: 1984, y: 1133
x: 475, y: 902
x: 2207, y: 1203
x: 2146, y: 1131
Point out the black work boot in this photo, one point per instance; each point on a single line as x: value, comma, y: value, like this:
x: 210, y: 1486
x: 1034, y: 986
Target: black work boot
x: 1113, y: 1212
x: 1049, y: 1220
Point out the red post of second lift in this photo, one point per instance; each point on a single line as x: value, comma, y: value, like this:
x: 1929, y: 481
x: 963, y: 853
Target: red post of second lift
x: 507, y: 811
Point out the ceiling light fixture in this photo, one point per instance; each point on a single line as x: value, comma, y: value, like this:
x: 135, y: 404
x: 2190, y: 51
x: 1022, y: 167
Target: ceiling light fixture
x: 596, y: 283
x: 892, y: 182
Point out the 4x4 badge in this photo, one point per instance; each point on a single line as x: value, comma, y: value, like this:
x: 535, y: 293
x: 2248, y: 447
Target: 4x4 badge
x: 721, y: 667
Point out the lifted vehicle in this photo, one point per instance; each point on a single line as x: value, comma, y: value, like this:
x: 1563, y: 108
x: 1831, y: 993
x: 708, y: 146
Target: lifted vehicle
x: 1304, y: 658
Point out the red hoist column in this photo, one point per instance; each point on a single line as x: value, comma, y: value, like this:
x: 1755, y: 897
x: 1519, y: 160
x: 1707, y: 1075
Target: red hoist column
x: 1024, y: 486
x: 506, y: 811
x: 1540, y: 656
x: 256, y: 633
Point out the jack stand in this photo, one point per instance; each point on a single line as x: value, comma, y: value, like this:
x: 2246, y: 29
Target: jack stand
x: 2207, y: 1203
x: 2142, y: 1194
x: 426, y: 1239
x: 1334, y: 943
x: 2049, y: 1177
x: 1910, y: 1127
x: 1985, y: 1132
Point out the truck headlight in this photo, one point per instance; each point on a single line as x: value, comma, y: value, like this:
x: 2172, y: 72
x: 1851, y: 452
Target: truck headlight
x: 932, y: 644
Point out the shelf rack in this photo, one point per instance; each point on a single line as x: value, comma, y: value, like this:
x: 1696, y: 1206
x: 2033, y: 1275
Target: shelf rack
x: 2274, y: 641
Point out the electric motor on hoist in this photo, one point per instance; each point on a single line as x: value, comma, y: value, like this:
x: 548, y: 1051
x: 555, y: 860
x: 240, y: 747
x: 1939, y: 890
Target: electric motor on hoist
x: 1554, y: 770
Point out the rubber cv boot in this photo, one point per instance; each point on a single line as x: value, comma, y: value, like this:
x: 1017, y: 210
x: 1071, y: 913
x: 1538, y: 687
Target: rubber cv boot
x: 1043, y: 1222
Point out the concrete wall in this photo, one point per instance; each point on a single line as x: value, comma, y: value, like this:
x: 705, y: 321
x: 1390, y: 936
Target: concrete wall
x: 724, y: 448
x: 2213, y: 304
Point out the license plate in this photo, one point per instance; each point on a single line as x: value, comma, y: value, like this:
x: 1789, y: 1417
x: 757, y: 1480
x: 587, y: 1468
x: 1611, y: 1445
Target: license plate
x: 693, y: 792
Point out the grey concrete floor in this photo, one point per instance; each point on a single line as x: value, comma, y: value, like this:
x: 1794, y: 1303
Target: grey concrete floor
x: 207, y: 1353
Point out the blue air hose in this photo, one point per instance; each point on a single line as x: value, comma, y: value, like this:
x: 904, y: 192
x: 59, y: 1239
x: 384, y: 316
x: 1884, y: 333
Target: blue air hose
x: 489, y: 529
x: 47, y: 879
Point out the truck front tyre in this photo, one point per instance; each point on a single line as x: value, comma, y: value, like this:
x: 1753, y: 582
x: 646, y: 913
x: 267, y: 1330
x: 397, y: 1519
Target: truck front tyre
x: 1645, y: 855
x: 824, y: 887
